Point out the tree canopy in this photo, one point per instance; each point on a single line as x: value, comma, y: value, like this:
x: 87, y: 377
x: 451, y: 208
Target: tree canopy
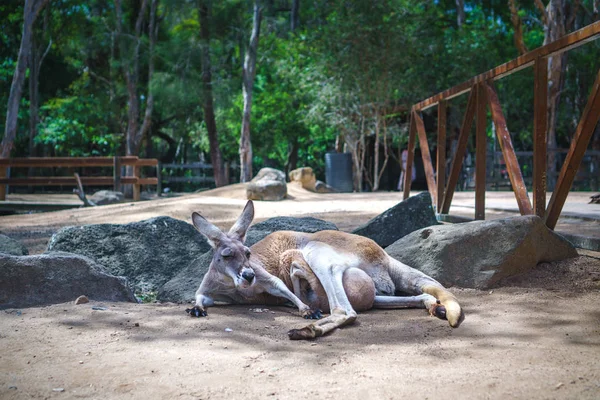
x: 327, y: 72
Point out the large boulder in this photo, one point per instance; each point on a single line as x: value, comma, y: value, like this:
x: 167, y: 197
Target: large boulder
x: 11, y: 246
x: 103, y: 197
x: 269, y: 184
x: 149, y: 253
x: 257, y: 232
x: 405, y: 217
x: 50, y: 278
x: 304, y: 177
x: 481, y: 253
x: 183, y: 286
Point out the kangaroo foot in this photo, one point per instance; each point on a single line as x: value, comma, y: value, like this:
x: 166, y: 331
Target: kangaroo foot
x: 305, y: 333
x: 196, y: 312
x: 438, y: 310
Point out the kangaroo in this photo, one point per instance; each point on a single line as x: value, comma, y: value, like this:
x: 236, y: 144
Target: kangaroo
x: 326, y: 268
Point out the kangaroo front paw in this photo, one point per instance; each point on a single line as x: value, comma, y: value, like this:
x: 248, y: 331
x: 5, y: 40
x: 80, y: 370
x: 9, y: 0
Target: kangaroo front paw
x: 305, y: 333
x: 312, y: 314
x: 196, y: 312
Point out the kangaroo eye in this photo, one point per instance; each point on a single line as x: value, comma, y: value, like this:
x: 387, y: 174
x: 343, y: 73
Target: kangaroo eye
x: 226, y: 252
x: 248, y: 253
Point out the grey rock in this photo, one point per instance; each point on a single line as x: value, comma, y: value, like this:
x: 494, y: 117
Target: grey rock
x: 405, y: 217
x: 103, y: 197
x: 322, y: 187
x: 183, y: 286
x: 257, y: 232
x: 149, y: 253
x: 268, y: 185
x: 11, y: 246
x: 303, y: 224
x: 57, y: 277
x: 304, y: 177
x: 481, y: 253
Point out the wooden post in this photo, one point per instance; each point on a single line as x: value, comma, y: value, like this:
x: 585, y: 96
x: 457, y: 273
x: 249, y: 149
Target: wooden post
x: 410, y: 158
x: 461, y: 148
x: 3, y: 186
x: 159, y: 179
x: 540, y: 127
x: 441, y: 154
x: 117, y: 174
x: 480, y: 153
x: 581, y: 139
x: 426, y: 156
x: 136, y: 185
x: 512, y: 164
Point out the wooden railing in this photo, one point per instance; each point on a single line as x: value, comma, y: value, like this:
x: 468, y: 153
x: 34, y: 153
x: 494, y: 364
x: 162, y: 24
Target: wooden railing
x: 483, y: 94
x: 116, y: 180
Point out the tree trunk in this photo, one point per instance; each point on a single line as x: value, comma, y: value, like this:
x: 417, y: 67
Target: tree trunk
x: 460, y: 13
x: 30, y: 12
x: 216, y: 156
x: 295, y: 15
x: 556, y: 20
x: 517, y: 27
x: 292, y: 158
x: 248, y: 81
x: 376, y: 154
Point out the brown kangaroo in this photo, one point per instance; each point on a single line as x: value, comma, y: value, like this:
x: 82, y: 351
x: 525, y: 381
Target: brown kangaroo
x: 327, y: 269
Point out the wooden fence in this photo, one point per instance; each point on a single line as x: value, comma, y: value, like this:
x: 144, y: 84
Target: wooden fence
x: 483, y: 94
x: 116, y: 180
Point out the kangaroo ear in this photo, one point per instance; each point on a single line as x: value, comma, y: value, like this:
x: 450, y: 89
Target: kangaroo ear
x: 241, y: 225
x: 211, y: 232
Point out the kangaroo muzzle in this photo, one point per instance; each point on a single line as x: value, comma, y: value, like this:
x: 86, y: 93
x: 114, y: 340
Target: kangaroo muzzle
x: 248, y: 275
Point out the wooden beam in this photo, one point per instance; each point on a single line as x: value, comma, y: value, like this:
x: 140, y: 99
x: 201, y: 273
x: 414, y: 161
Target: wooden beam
x: 117, y: 174
x: 441, y: 154
x: 540, y: 140
x: 25, y: 162
x: 512, y: 164
x: 459, y: 156
x: 65, y: 161
x: 426, y: 156
x: 480, y: 152
x: 410, y: 158
x: 70, y: 181
x: 136, y: 185
x: 581, y: 139
x: 567, y: 42
x: 2, y: 187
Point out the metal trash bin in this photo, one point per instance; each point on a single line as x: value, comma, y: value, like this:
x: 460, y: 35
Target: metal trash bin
x: 338, y: 171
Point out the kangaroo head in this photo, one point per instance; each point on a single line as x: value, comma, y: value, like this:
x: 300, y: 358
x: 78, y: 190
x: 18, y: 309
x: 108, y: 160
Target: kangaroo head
x: 231, y: 257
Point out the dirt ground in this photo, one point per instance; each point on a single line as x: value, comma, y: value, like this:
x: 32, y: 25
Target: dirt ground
x: 535, y: 337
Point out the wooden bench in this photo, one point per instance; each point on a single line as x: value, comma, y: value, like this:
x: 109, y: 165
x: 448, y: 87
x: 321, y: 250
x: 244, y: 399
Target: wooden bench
x: 116, y: 180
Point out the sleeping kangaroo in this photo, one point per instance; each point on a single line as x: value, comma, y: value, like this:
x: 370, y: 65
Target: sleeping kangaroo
x: 327, y: 269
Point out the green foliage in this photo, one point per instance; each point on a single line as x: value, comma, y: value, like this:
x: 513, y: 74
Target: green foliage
x: 77, y: 125
x: 347, y: 60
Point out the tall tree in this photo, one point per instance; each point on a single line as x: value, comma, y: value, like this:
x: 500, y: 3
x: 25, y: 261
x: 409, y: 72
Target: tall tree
x: 460, y: 13
x: 30, y: 12
x: 558, y: 18
x: 248, y: 82
x: 204, y: 11
x: 517, y: 27
x: 130, y: 63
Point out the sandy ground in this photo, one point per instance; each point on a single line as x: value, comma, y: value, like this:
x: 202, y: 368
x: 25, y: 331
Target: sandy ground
x: 536, y: 337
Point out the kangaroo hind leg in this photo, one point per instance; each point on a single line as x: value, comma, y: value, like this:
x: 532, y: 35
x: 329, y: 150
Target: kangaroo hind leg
x: 331, y: 278
x: 413, y: 281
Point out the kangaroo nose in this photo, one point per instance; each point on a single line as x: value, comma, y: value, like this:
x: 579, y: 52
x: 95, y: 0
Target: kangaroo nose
x: 248, y: 275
